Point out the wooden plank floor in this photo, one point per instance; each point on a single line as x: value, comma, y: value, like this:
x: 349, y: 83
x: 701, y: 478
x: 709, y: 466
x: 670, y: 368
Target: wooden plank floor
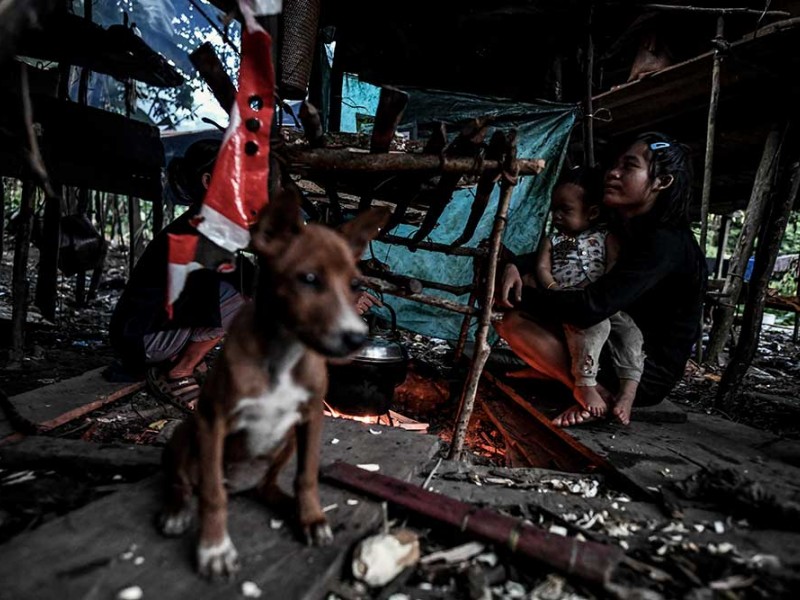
x: 654, y: 453
x: 56, y: 404
x: 82, y: 554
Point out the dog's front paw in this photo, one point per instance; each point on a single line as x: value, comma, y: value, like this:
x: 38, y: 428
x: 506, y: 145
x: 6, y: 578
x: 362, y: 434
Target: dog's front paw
x: 175, y: 524
x: 217, y: 560
x: 318, y: 534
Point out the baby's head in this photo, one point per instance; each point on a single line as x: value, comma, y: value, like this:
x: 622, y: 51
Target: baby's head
x: 575, y: 202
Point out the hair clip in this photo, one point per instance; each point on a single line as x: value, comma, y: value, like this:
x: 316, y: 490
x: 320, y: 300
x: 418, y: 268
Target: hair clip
x: 659, y: 145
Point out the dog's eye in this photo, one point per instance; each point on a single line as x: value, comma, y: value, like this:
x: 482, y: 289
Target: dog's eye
x: 310, y: 279
x: 355, y: 284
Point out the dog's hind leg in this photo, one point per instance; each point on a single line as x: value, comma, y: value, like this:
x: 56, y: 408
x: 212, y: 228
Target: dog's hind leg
x: 306, y: 484
x: 179, y: 470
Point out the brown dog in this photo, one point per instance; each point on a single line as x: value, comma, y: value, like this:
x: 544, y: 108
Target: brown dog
x: 265, y: 392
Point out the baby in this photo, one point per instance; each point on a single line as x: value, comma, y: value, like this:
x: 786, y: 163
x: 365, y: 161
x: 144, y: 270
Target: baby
x: 578, y: 252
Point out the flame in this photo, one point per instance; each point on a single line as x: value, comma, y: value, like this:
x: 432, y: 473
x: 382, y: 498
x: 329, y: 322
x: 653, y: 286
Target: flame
x: 332, y: 412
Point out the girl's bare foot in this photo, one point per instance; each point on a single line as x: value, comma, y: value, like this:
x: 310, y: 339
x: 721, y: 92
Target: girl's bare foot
x: 623, y: 403
x: 622, y: 407
x: 590, y: 399
x: 574, y: 415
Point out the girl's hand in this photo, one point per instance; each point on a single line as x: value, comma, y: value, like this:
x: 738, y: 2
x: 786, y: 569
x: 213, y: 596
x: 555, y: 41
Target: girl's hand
x: 365, y: 301
x: 510, y: 287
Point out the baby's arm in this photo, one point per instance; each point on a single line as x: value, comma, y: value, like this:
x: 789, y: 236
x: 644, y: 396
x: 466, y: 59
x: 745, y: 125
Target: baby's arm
x: 612, y: 250
x: 544, y: 264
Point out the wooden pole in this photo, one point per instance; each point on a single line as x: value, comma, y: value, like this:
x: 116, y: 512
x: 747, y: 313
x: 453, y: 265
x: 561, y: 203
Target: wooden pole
x: 722, y: 243
x: 723, y: 317
x: 482, y: 348
x: 705, y: 200
x: 327, y: 159
x: 717, y: 11
x: 19, y: 281
x: 710, y: 133
x: 212, y: 71
x: 2, y: 216
x: 589, y: 116
x: 769, y: 245
x: 796, y: 331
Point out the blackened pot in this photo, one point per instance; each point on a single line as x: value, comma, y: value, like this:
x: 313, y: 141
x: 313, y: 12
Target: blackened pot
x: 365, y: 385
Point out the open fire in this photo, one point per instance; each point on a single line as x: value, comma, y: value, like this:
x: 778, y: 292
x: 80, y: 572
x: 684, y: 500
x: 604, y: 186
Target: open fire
x: 389, y: 419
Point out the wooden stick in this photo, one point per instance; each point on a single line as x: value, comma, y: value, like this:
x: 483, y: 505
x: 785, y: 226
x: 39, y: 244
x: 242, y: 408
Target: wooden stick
x: 705, y: 201
x: 19, y: 284
x: 769, y: 245
x: 717, y: 11
x: 327, y: 159
x: 589, y: 116
x: 211, y: 69
x: 434, y: 247
x: 762, y: 185
x: 722, y: 242
x: 482, y: 348
x: 710, y: 134
x: 395, y: 290
x: 587, y: 560
x: 2, y: 216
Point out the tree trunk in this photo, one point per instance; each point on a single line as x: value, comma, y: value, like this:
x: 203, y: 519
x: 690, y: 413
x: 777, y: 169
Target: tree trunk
x: 723, y: 314
x: 19, y: 283
x: 768, y: 247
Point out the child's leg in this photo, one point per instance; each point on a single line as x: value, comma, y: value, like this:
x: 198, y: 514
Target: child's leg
x: 584, y: 348
x: 626, y: 345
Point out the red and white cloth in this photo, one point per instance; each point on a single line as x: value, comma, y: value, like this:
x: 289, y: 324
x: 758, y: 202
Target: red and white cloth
x: 238, y: 188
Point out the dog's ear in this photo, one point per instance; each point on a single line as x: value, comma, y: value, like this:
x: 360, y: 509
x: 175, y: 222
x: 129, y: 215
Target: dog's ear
x: 277, y: 223
x: 364, y: 227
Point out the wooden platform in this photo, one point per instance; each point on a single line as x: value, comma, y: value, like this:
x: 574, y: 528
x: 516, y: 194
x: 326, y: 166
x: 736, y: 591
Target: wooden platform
x: 83, y: 554
x: 59, y: 403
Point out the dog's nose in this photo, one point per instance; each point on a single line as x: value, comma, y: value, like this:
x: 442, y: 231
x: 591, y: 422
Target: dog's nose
x: 353, y: 340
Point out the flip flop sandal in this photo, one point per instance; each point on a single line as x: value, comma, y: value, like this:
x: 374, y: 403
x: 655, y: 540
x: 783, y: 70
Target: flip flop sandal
x: 181, y: 392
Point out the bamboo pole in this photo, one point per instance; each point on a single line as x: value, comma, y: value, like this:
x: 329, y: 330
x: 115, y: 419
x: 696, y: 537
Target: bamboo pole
x: 768, y: 247
x: 19, y: 281
x: 723, y: 315
x: 587, y: 560
x: 482, y: 348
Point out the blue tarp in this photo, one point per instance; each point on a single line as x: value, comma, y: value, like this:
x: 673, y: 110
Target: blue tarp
x: 543, y: 131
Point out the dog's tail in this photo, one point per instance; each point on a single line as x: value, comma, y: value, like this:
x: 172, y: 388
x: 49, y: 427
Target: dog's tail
x: 17, y: 421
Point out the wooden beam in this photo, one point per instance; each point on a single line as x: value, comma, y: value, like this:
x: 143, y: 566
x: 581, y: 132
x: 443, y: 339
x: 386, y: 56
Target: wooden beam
x: 326, y: 159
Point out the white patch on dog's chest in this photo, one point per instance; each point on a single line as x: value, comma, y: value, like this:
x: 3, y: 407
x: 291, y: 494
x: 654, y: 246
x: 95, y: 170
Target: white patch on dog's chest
x: 267, y: 418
